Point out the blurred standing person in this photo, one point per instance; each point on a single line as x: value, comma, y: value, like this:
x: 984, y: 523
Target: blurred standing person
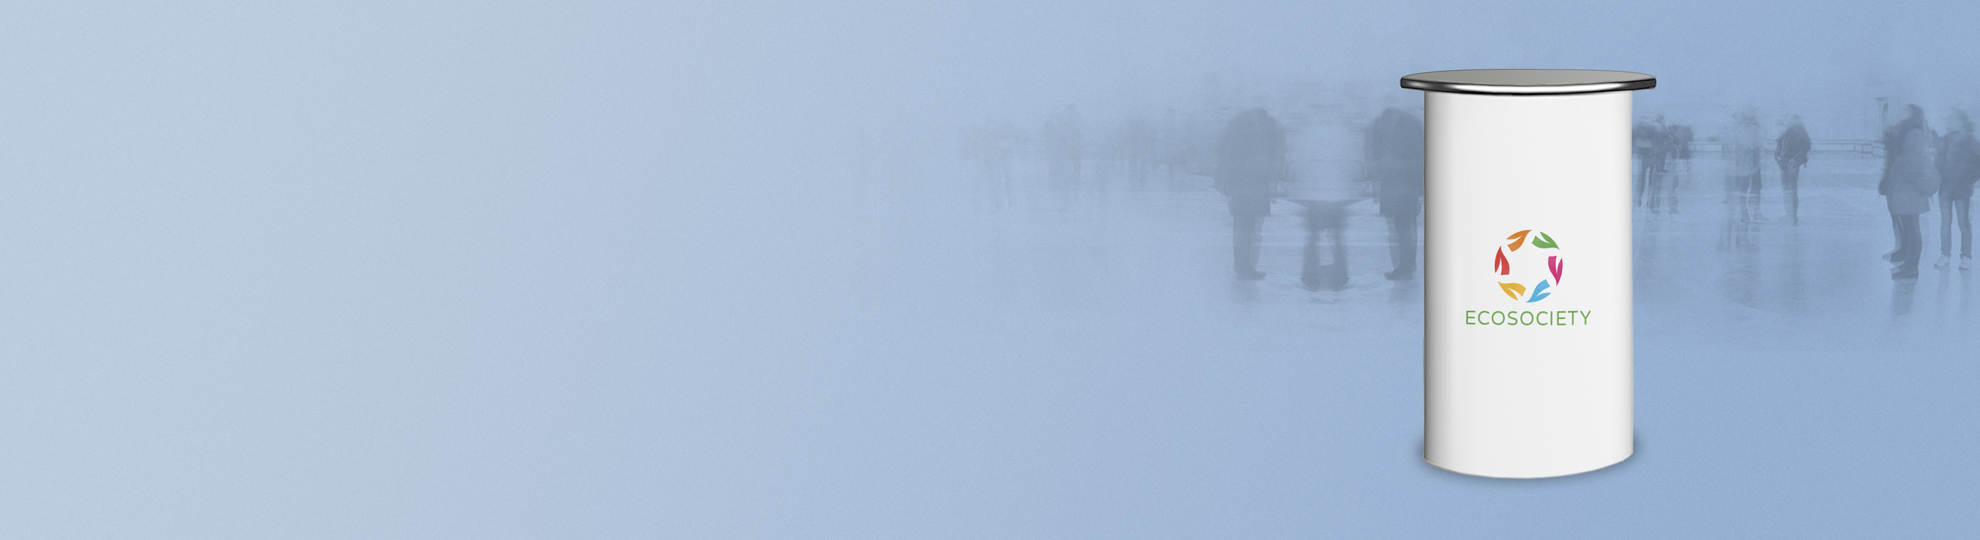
x: 1743, y: 146
x: 1681, y: 154
x: 1746, y: 144
x: 1392, y: 158
x: 1004, y: 142
x: 1640, y: 147
x: 1959, y: 165
x: 1251, y: 162
x: 1064, y: 150
x: 1175, y: 146
x: 1908, y: 183
x: 1791, y: 152
x: 1139, y: 145
x: 1660, y: 153
x: 1681, y: 144
x: 1652, y: 147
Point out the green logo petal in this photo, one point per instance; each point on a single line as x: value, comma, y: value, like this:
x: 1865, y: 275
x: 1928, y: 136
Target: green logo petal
x: 1545, y: 242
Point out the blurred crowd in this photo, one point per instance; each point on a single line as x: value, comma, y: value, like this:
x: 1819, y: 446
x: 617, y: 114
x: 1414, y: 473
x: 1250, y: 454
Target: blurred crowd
x: 1324, y: 158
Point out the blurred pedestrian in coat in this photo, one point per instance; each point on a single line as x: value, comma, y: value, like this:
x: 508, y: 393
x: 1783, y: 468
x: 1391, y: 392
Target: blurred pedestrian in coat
x: 1251, y: 164
x: 1392, y: 158
x: 1680, y: 142
x: 1746, y: 145
x: 1910, y: 178
x: 1959, y: 166
x: 1791, y: 152
x: 1681, y: 157
x: 1065, y: 150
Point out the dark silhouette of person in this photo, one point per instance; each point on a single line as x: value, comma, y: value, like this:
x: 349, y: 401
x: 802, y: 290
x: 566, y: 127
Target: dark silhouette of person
x: 1251, y: 164
x: 1791, y: 152
x: 1910, y: 178
x: 1681, y: 142
x: 1392, y: 158
x: 1959, y: 167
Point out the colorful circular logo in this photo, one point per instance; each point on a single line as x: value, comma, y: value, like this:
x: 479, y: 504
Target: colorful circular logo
x: 1516, y: 271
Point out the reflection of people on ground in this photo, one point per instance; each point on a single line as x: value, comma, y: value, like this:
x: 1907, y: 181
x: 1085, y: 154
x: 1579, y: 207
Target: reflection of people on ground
x: 1393, y: 159
x: 1251, y: 161
x: 1325, y: 219
x: 1791, y: 152
x: 1959, y: 166
x: 1064, y: 148
x: 1908, y: 183
x: 1652, y: 145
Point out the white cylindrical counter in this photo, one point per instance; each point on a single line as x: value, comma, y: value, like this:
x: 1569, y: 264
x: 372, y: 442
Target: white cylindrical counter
x: 1527, y: 287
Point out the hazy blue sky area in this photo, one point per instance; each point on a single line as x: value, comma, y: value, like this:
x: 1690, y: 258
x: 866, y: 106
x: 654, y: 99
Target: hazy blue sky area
x: 730, y: 270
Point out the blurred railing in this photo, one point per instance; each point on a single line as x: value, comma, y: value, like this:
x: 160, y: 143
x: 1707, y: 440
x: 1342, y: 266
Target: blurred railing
x: 1857, y: 147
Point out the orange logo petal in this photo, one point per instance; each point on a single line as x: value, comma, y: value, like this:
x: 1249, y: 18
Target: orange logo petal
x: 1513, y: 289
x: 1518, y: 238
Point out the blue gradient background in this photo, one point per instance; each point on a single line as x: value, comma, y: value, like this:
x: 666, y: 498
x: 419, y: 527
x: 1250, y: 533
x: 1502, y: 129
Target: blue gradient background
x: 703, y: 270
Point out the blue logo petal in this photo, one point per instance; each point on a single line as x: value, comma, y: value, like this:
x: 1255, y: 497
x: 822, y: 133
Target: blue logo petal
x: 1538, y: 295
